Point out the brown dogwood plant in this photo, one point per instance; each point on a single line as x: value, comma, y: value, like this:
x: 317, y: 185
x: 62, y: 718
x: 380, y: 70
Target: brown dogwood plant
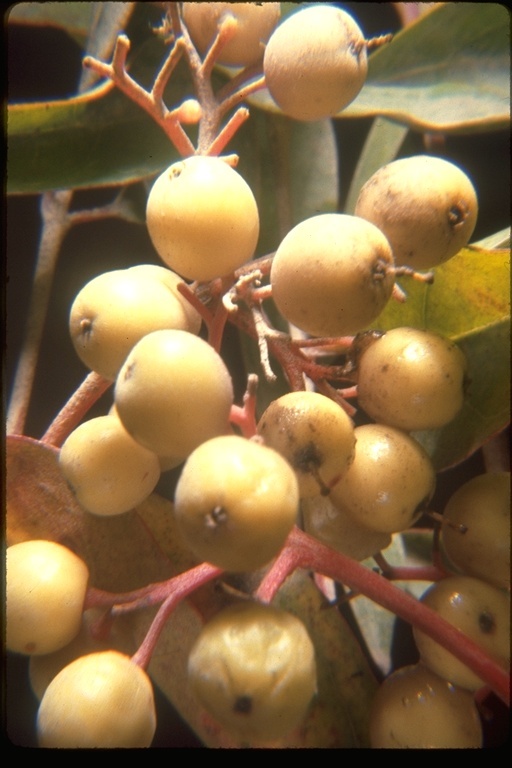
x: 242, y: 498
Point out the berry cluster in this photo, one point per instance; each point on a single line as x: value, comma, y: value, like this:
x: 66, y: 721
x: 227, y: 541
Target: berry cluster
x: 351, y: 476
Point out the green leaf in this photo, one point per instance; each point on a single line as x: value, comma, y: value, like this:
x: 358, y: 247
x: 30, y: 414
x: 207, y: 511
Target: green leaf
x: 73, y: 18
x: 469, y: 302
x: 97, y: 139
x: 382, y: 145
x: 448, y: 71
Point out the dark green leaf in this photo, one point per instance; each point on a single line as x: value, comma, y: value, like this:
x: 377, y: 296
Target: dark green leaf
x: 448, y: 71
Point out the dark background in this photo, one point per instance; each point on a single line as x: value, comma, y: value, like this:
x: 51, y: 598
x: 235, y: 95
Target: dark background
x: 45, y: 64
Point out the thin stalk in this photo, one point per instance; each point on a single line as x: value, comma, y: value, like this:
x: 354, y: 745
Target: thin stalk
x: 55, y: 225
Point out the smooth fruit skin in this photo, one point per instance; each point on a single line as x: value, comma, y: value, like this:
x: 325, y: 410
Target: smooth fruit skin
x: 253, y: 669
x: 338, y: 530
x: 102, y: 700
x: 426, y: 206
x: 202, y: 218
x: 412, y: 379
x: 416, y: 709
x: 480, y: 611
x: 46, y: 585
x: 315, y: 62
x: 314, y: 434
x: 116, y: 309
x: 109, y: 472
x: 332, y: 274
x: 390, y: 481
x: 236, y: 501
x: 475, y: 532
x: 254, y: 25
x: 173, y: 392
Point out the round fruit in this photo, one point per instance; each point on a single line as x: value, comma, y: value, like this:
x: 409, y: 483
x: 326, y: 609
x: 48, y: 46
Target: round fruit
x: 202, y: 218
x: 416, y: 709
x: 314, y: 435
x: 102, y: 700
x: 116, y: 309
x: 236, y: 502
x: 389, y: 483
x: 173, y: 393
x: 332, y: 274
x: 315, y: 62
x: 254, y: 25
x: 43, y: 668
x: 480, y: 611
x: 426, y: 206
x: 338, y: 530
x: 412, y: 379
x: 108, y: 470
x: 253, y: 669
x: 45, y: 591
x: 476, y: 528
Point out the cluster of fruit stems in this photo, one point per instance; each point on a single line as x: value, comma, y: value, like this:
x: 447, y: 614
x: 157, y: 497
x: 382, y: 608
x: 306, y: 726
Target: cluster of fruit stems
x: 227, y: 295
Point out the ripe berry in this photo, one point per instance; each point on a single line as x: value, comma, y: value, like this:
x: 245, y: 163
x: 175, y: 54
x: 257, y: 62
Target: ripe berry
x: 315, y: 62
x: 412, y: 379
x: 314, y: 434
x: 390, y: 481
x: 416, y: 709
x: 102, y: 700
x: 45, y: 592
x: 173, y: 392
x: 236, y: 502
x: 332, y: 274
x: 202, y: 218
x: 475, y: 533
x: 254, y: 23
x: 253, y: 669
x: 480, y: 611
x: 108, y: 470
x: 116, y: 309
x: 426, y: 206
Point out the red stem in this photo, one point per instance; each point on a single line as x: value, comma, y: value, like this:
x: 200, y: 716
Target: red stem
x: 91, y: 389
x: 303, y: 551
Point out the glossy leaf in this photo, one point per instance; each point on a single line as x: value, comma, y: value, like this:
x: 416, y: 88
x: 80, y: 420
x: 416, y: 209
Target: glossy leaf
x: 73, y: 18
x: 469, y: 302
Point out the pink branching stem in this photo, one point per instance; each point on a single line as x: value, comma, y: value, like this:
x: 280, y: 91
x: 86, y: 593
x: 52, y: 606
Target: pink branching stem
x: 239, y: 95
x: 88, y: 393
x: 303, y: 551
x: 154, y: 107
x: 225, y: 135
x: 245, y: 417
x: 182, y: 586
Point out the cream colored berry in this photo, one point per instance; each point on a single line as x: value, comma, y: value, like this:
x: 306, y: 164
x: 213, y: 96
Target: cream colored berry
x: 202, y: 218
x: 108, y: 470
x: 101, y: 700
x: 253, y: 24
x: 412, y: 379
x: 236, y: 502
x: 390, y: 481
x: 315, y: 62
x: 45, y: 591
x: 314, y: 434
x: 173, y: 392
x: 426, y: 206
x: 253, y: 669
x: 332, y: 274
x: 116, y: 309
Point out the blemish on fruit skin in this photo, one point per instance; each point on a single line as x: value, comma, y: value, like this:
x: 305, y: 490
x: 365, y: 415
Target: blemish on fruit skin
x: 129, y: 371
x: 243, y: 705
x: 486, y: 622
x: 216, y: 517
